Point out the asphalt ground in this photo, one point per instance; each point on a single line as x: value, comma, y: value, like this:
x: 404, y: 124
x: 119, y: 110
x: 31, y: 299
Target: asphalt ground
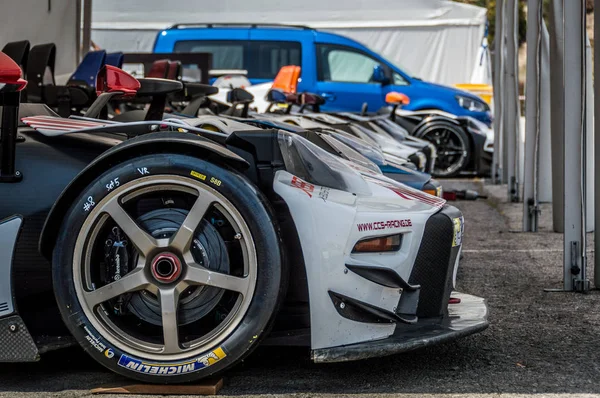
x: 538, y: 344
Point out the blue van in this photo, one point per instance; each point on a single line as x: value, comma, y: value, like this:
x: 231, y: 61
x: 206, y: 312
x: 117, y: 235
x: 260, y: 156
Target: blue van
x: 343, y: 71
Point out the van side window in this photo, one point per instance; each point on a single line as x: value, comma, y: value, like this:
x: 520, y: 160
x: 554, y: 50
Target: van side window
x: 344, y: 64
x: 261, y: 58
x: 226, y: 54
x: 270, y: 56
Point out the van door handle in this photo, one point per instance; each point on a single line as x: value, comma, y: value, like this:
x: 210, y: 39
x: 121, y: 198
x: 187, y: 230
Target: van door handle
x: 328, y: 96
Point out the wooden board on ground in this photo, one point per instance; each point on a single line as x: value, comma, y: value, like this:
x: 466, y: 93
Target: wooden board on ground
x: 206, y: 387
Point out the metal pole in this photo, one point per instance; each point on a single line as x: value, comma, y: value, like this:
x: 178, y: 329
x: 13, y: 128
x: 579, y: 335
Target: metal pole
x: 87, y: 27
x: 589, y: 138
x: 511, y: 103
x: 498, y: 93
x: 573, y: 143
x: 507, y: 27
x: 544, y: 169
x: 597, y: 147
x: 532, y: 116
x: 557, y: 116
x: 78, y: 31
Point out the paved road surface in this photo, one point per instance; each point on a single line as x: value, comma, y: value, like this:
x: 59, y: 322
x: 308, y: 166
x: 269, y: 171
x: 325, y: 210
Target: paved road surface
x: 538, y: 344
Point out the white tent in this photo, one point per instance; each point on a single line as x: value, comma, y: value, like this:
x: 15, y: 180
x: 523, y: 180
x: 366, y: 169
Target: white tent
x: 437, y: 40
x: 43, y: 22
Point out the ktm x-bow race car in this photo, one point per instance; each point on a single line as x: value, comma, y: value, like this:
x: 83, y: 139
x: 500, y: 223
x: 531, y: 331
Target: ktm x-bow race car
x: 173, y: 251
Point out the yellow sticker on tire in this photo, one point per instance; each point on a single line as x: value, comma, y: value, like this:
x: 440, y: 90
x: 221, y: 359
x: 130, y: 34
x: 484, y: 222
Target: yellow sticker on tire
x: 459, y: 228
x: 198, y: 175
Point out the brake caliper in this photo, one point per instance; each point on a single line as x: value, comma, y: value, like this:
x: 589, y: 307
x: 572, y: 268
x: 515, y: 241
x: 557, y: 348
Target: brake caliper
x: 116, y: 261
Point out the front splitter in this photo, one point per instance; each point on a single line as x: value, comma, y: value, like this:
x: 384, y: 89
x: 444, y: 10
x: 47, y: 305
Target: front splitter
x: 465, y: 318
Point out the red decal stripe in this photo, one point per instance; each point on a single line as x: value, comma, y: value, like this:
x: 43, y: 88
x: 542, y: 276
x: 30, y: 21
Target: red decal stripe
x: 62, y: 120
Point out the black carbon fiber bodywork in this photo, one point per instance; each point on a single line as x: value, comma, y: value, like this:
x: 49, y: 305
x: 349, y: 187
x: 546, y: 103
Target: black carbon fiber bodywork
x: 16, y: 342
x: 434, y: 265
x: 467, y: 317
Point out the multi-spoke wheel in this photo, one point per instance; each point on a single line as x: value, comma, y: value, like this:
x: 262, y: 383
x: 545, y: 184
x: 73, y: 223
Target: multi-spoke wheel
x: 170, y: 271
x: 452, y: 145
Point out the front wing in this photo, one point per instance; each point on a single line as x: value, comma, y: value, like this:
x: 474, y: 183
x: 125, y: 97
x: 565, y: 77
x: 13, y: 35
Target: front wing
x: 464, y: 318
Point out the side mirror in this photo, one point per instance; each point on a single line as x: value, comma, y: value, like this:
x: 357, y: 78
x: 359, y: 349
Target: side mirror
x: 159, y: 69
x: 311, y: 99
x: 239, y: 96
x: 112, y: 79
x: 10, y: 75
x: 276, y: 97
x: 396, y: 98
x: 379, y: 75
x: 287, y: 79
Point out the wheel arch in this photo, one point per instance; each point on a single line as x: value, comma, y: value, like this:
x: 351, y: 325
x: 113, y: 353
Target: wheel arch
x: 429, y: 104
x: 148, y: 144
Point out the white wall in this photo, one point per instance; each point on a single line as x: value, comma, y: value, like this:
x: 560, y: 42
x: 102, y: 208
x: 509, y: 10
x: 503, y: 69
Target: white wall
x: 31, y: 20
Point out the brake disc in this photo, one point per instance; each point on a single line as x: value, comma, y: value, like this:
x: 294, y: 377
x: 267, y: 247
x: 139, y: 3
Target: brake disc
x: 208, y: 250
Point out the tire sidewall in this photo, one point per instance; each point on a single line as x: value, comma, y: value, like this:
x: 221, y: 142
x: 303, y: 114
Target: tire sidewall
x: 253, y: 207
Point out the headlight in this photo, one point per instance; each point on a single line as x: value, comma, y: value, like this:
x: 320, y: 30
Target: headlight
x: 472, y: 104
x: 419, y: 159
x: 475, y: 126
x: 397, y: 162
x: 433, y: 187
x: 351, y: 154
x: 371, y: 152
x: 409, y: 165
x: 313, y: 164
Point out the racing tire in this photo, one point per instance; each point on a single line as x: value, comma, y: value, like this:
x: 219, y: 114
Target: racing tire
x: 229, y: 301
x: 452, y: 145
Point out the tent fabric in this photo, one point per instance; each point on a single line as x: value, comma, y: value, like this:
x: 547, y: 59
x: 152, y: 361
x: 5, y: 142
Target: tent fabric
x: 436, y: 40
x: 41, y: 23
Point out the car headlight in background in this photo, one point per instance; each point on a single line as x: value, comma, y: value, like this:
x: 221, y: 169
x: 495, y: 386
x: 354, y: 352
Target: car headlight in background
x: 351, y: 154
x: 313, y: 164
x: 433, y: 187
x: 371, y: 152
x: 477, y: 127
x: 419, y: 159
x: 472, y: 104
x: 397, y: 162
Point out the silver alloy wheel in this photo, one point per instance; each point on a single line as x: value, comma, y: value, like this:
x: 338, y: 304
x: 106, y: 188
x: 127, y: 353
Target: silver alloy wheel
x: 175, y: 249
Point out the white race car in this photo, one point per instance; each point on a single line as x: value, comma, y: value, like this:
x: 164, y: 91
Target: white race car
x: 176, y: 250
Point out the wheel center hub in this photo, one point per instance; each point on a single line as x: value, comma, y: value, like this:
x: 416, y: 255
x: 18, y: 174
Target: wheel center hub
x: 166, y: 267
